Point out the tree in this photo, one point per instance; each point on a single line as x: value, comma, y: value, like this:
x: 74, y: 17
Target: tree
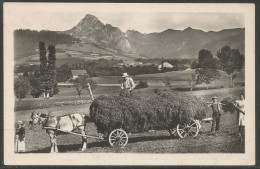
x: 230, y: 61
x: 204, y: 57
x: 81, y: 83
x: 44, y: 77
x: 63, y: 73
x: 52, y: 73
x: 167, y: 82
x: 207, y: 67
x: 194, y: 64
x: 192, y: 81
x: 207, y: 75
x: 21, y: 87
x: 35, y: 87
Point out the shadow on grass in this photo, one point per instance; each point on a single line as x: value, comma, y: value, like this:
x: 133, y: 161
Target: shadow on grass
x: 100, y: 144
x: 196, y: 88
x: 149, y: 138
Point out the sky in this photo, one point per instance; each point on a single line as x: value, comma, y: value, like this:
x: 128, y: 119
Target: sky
x: 142, y: 21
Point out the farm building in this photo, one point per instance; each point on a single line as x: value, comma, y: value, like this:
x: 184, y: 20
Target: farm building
x: 165, y: 65
x: 128, y: 64
x: 76, y: 73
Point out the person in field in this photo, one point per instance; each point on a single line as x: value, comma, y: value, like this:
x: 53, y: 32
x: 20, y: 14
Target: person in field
x: 20, y: 137
x: 241, y: 116
x: 127, y: 83
x: 216, y: 108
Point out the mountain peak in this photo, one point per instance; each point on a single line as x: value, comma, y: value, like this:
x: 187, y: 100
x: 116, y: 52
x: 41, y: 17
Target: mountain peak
x: 168, y: 30
x: 93, y: 30
x: 188, y: 28
x: 89, y: 16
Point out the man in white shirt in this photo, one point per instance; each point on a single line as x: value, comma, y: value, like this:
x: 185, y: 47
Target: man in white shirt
x: 127, y: 83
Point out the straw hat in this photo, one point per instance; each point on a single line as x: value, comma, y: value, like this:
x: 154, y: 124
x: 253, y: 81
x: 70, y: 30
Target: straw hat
x: 125, y: 75
x: 215, y: 97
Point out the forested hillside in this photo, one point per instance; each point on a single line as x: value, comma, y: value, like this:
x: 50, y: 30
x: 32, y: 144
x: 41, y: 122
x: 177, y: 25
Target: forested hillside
x: 26, y: 41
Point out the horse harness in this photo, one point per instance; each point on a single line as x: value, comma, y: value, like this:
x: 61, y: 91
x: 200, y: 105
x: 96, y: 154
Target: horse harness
x: 58, y: 122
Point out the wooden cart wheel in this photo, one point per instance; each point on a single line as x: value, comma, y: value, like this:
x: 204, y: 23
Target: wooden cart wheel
x: 190, y: 129
x: 118, y: 137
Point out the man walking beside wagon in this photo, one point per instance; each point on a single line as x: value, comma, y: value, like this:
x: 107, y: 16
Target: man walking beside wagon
x: 216, y: 108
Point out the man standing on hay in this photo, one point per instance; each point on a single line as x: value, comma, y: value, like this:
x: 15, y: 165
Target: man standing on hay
x: 127, y: 83
x: 216, y: 114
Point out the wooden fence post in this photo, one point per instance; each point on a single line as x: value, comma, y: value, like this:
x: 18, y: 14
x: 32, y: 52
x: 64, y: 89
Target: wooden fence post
x: 90, y: 91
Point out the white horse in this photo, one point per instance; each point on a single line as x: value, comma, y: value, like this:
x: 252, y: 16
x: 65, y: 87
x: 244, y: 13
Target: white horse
x: 67, y: 123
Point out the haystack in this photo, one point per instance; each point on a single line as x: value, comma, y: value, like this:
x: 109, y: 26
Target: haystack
x: 138, y: 114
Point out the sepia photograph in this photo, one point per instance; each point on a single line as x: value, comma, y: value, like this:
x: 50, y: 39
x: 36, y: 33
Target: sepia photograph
x: 129, y: 84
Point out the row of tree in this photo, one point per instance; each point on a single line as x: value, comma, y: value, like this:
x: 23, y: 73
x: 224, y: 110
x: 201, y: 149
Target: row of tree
x: 48, y: 73
x: 207, y: 67
x: 43, y: 81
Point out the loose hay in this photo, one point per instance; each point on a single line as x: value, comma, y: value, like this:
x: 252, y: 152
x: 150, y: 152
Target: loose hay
x: 138, y: 114
x: 229, y: 104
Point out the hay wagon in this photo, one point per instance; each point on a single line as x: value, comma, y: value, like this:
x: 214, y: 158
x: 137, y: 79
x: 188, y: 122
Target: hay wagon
x: 117, y: 116
x: 119, y: 136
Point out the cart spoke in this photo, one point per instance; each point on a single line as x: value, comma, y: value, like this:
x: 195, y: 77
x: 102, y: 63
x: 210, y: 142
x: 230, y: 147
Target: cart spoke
x: 191, y: 132
x: 193, y: 124
x: 113, y: 135
x: 182, y: 131
x: 120, y: 142
x: 121, y: 134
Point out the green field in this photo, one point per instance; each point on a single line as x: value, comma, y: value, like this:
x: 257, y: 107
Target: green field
x: 227, y: 141
x: 76, y: 53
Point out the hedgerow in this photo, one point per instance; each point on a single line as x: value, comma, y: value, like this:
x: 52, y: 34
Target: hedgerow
x: 42, y: 105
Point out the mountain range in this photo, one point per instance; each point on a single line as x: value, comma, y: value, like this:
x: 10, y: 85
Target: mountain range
x: 167, y: 44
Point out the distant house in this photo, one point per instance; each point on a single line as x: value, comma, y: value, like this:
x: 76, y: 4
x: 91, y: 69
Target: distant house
x: 128, y: 64
x: 165, y: 65
x: 149, y: 64
x: 65, y: 84
x: 132, y: 63
x: 94, y: 54
x: 76, y: 73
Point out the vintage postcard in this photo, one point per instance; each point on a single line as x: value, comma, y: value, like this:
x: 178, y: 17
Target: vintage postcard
x: 129, y: 84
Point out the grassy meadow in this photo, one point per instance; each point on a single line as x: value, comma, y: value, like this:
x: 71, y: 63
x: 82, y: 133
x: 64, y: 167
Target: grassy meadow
x: 227, y: 141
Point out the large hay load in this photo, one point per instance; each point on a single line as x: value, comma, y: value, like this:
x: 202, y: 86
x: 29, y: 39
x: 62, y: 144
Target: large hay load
x: 137, y: 114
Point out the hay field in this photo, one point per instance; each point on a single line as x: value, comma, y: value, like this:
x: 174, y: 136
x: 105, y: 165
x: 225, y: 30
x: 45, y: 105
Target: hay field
x: 226, y: 141
x: 37, y: 141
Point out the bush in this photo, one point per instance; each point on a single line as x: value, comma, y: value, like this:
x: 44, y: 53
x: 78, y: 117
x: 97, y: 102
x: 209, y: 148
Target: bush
x: 137, y: 114
x: 156, y: 90
x: 48, y: 104
x: 142, y: 84
x: 21, y: 87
